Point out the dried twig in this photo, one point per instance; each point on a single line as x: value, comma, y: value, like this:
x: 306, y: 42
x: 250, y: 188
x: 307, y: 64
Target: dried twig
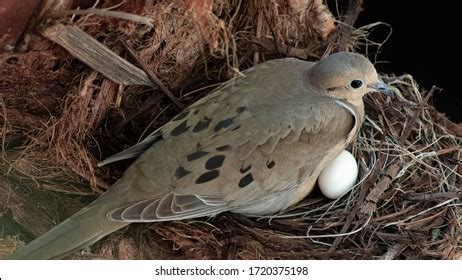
x: 407, y: 130
x: 354, y: 8
x: 103, y: 12
x: 376, y: 192
x: 152, y: 76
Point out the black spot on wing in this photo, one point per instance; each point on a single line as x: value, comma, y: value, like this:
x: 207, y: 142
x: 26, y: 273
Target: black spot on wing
x: 214, y: 162
x: 201, y: 125
x: 181, y: 116
x: 236, y: 128
x: 246, y: 180
x: 245, y: 169
x: 207, y: 176
x: 239, y: 110
x: 224, y: 124
x: 196, y: 155
x: 223, y: 148
x: 182, y: 128
x: 270, y: 164
x: 181, y: 172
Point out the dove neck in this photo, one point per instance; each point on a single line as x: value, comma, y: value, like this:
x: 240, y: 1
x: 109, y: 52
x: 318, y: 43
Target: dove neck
x: 358, y: 106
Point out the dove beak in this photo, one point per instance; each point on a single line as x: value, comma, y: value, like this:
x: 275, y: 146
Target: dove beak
x: 381, y: 87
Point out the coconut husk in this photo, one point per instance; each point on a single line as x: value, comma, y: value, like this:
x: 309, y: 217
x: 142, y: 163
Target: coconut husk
x: 407, y: 202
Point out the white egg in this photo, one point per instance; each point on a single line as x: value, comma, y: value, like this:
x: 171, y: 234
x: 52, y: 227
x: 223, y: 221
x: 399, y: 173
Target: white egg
x: 338, y: 177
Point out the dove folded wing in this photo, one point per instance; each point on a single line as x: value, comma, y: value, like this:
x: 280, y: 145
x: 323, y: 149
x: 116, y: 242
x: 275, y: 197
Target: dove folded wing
x: 169, y: 207
x: 251, y: 164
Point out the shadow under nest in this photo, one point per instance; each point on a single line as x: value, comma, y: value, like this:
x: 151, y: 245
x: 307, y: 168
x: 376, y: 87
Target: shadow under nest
x: 406, y: 205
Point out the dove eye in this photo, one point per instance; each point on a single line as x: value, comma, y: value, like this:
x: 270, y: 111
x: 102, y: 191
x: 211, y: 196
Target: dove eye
x: 356, y: 84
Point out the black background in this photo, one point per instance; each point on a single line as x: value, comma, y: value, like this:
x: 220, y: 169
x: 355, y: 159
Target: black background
x: 424, y: 43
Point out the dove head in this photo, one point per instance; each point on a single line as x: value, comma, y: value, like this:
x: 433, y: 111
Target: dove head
x: 346, y: 76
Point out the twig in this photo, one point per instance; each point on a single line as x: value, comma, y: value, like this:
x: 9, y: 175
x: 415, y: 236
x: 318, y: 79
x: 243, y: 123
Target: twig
x: 341, y: 234
x: 151, y: 75
x: 435, y: 196
x: 393, y: 215
x: 394, y: 251
x: 275, y: 39
x: 354, y: 8
x: 102, y: 12
x: 376, y: 192
x: 407, y: 130
x: 423, y: 212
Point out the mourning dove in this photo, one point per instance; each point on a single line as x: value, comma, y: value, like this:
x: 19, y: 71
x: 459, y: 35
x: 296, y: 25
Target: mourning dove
x: 254, y: 146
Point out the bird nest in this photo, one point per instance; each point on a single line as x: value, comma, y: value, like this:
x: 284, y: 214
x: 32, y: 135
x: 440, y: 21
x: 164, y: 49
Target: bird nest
x: 407, y: 201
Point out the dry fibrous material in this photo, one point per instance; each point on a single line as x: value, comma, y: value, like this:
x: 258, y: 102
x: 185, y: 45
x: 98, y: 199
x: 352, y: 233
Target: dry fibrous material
x: 60, y: 117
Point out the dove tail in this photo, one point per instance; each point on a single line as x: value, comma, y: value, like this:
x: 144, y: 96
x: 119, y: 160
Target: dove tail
x: 80, y: 230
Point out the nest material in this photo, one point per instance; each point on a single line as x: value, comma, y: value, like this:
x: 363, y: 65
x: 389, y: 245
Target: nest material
x: 406, y: 206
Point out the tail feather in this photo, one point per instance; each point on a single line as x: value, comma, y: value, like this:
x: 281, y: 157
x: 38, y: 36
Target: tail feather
x: 80, y: 230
